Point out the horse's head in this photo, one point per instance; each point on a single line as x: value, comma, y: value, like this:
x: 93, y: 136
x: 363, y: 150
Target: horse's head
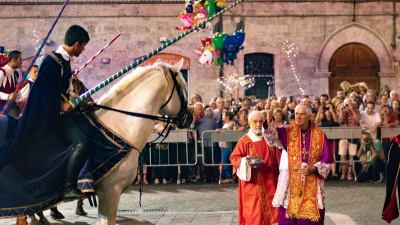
x: 176, y: 100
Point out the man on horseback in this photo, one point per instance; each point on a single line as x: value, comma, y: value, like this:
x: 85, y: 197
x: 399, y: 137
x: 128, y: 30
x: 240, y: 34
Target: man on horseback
x: 75, y: 41
x: 48, y: 121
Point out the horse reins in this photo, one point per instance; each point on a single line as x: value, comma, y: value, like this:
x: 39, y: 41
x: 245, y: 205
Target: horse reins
x: 166, y: 118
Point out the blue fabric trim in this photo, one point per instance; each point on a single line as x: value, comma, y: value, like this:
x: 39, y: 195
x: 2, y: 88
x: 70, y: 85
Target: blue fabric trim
x: 120, y: 149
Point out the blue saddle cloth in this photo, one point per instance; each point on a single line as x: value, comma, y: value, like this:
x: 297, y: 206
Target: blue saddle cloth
x: 35, y: 181
x: 109, y: 150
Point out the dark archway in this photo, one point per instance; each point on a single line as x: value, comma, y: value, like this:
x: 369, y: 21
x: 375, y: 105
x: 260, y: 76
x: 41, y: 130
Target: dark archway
x: 261, y: 66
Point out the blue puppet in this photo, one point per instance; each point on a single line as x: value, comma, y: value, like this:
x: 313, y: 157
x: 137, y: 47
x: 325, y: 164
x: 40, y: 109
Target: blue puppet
x: 232, y: 45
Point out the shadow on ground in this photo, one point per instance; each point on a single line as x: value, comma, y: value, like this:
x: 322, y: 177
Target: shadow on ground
x: 61, y: 222
x: 130, y: 221
x: 120, y: 221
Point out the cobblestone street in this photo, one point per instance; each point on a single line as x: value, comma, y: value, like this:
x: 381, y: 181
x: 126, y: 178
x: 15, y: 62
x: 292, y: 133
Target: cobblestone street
x: 348, y: 203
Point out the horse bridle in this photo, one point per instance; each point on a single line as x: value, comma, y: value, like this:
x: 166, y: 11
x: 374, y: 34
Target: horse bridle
x: 179, y: 120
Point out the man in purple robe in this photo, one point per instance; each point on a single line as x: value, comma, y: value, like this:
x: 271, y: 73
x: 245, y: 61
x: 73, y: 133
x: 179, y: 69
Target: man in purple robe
x: 300, y: 193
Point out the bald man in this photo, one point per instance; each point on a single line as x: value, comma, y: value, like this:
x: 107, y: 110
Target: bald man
x: 256, y: 164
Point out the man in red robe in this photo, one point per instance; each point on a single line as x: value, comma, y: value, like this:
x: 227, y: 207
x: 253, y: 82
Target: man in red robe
x: 256, y: 164
x: 8, y: 82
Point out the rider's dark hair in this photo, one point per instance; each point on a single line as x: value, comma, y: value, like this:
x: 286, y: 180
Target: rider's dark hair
x: 75, y: 34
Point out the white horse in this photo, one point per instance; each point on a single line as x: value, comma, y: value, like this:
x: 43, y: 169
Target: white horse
x: 148, y: 90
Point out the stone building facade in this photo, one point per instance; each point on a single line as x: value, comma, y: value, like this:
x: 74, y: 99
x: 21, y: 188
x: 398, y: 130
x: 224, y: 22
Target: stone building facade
x: 336, y: 40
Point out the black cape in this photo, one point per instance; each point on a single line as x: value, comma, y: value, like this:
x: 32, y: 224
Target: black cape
x: 33, y: 161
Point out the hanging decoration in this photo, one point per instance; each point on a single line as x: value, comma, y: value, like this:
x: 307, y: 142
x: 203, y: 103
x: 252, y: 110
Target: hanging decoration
x: 76, y: 101
x: 220, y: 48
x: 198, y: 11
x: 290, y: 50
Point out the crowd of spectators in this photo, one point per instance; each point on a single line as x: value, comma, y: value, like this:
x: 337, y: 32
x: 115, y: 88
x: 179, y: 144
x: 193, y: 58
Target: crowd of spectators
x: 363, y: 108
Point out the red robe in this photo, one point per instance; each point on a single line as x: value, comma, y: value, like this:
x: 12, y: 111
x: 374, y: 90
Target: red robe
x: 255, y: 196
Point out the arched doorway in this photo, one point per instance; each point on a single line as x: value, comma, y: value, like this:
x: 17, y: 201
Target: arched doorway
x: 353, y: 62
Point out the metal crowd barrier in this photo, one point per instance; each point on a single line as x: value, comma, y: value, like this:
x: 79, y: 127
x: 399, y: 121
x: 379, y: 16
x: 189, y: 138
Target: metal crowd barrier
x: 342, y: 132
x: 210, y: 141
x: 211, y: 138
x: 182, y: 139
x: 387, y: 132
x: 177, y: 150
x: 180, y: 147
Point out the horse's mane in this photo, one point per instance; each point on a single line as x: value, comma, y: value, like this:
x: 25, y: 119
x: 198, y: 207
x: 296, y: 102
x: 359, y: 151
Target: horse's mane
x: 129, y: 79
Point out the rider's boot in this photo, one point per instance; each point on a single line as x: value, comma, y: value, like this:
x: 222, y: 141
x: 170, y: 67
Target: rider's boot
x: 75, y: 164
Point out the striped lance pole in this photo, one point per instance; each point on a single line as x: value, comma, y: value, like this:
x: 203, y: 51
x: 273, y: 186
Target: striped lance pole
x: 9, y: 104
x: 97, y: 54
x: 77, y: 100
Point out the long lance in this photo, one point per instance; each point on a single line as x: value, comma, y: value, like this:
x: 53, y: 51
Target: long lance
x: 97, y: 54
x: 77, y: 100
x: 9, y: 104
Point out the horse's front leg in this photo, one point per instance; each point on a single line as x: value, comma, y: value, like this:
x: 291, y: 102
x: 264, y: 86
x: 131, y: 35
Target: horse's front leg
x: 108, y: 206
x: 110, y: 189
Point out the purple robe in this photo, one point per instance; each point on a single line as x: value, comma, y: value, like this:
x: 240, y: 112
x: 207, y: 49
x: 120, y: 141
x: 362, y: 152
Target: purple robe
x: 326, y: 158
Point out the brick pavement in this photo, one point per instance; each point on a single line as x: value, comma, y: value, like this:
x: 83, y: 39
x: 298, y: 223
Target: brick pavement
x: 348, y: 203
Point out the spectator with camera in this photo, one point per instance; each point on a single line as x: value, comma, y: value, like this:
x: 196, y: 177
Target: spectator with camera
x: 323, y: 99
x: 371, y: 158
x: 327, y: 116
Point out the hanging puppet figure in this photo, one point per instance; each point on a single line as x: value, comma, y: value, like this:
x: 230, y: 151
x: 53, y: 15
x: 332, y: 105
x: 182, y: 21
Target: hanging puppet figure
x: 232, y: 45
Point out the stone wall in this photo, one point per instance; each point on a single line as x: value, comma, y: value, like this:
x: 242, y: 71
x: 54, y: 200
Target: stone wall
x: 267, y: 26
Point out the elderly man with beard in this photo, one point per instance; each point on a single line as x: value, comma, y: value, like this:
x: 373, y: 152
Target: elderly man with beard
x: 256, y: 164
x: 303, y: 167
